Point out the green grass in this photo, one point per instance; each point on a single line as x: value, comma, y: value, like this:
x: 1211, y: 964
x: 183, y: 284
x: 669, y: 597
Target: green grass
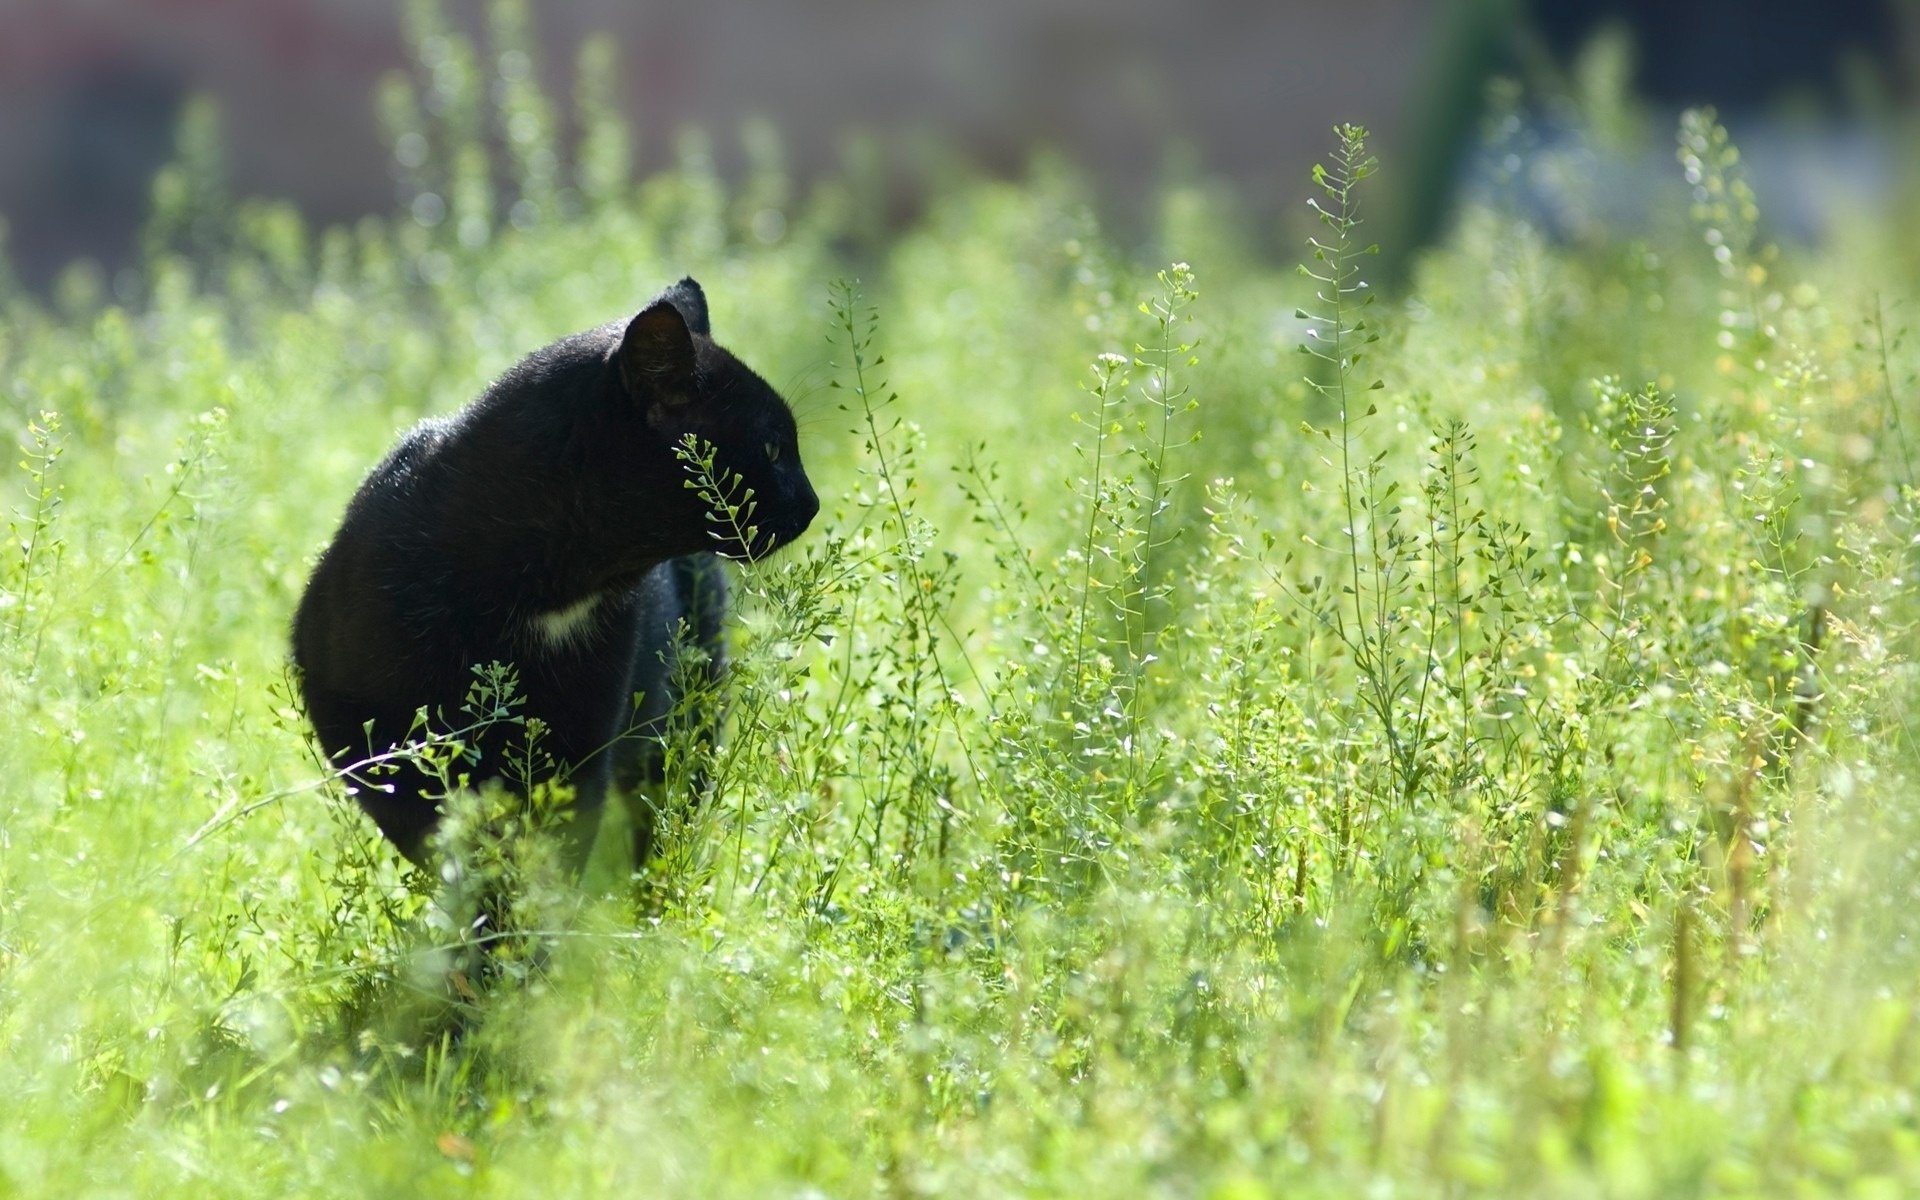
x: 1171, y: 766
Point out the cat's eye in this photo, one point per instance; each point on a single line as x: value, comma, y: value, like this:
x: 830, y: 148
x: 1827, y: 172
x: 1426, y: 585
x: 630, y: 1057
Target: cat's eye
x: 773, y: 452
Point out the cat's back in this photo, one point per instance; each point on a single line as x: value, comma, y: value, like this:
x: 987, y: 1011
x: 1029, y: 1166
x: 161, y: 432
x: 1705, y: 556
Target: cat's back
x: 401, y: 474
x: 533, y: 405
x: 381, y: 523
x: 448, y: 488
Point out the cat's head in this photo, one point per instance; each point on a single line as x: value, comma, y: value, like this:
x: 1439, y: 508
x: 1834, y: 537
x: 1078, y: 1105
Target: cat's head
x: 682, y: 383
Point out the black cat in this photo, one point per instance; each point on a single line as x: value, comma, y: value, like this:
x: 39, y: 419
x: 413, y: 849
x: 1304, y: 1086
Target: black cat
x: 549, y: 525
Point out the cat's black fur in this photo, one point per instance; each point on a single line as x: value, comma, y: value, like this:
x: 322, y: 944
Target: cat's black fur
x: 548, y: 525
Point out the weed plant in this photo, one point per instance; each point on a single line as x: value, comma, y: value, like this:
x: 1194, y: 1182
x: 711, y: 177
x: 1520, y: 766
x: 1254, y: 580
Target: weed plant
x: 1471, y: 757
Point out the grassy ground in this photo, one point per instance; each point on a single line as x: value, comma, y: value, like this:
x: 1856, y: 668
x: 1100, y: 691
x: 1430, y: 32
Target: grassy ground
x: 1172, y: 765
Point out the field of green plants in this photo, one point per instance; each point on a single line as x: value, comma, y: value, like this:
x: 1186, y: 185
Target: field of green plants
x: 1470, y: 757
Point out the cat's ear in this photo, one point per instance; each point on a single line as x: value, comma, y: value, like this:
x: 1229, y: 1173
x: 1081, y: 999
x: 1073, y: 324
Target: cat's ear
x: 692, y: 303
x: 656, y: 355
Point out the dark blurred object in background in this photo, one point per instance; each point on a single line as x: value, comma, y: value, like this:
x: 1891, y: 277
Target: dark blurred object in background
x: 1808, y: 89
x: 1740, y: 54
x: 1246, y: 91
x: 89, y: 90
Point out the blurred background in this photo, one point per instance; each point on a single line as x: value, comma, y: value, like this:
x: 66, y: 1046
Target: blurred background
x: 1240, y: 93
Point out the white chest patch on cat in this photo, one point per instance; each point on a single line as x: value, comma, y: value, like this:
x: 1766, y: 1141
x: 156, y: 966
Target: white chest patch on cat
x: 567, y: 626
